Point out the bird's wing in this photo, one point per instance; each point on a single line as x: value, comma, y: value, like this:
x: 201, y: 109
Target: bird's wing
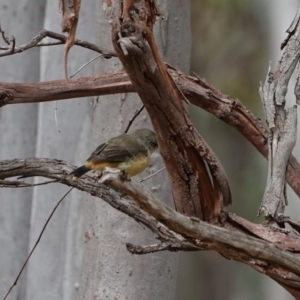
x: 97, y: 152
x: 110, y: 153
x: 118, y: 150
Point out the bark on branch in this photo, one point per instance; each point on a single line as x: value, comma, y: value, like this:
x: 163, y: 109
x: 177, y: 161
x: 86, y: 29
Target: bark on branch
x: 282, y: 122
x: 196, y: 90
x: 255, y: 245
x: 12, y: 49
x: 58, y: 171
x: 198, y: 190
x: 70, y: 15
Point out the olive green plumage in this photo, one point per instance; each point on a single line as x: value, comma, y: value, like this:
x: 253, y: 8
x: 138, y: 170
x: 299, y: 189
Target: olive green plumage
x: 129, y: 151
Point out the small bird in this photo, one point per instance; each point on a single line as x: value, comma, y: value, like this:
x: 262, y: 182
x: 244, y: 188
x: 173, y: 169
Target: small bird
x: 129, y: 151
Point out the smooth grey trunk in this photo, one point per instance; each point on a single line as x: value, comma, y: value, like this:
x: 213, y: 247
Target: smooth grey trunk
x: 54, y: 269
x: 109, y: 270
x: 17, y: 139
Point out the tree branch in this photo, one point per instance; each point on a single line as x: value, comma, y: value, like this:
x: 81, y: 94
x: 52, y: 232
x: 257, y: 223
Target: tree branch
x: 34, y: 42
x: 196, y: 90
x: 230, y: 243
x: 199, y: 183
x: 159, y: 247
x: 198, y: 229
x: 58, y: 171
x: 282, y: 122
x: 21, y: 184
x: 233, y: 243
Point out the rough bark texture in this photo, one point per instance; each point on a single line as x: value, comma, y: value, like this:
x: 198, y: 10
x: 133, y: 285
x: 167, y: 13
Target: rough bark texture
x: 282, y: 122
x: 196, y: 90
x: 70, y: 15
x: 198, y: 190
x: 266, y: 249
x: 279, y: 18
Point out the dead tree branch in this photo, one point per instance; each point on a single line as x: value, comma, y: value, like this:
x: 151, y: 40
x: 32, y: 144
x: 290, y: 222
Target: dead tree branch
x: 282, y: 122
x: 58, y: 171
x: 35, y: 41
x: 196, y: 90
x: 199, y: 183
x: 70, y: 16
x: 190, y: 227
x: 21, y: 184
x: 256, y: 245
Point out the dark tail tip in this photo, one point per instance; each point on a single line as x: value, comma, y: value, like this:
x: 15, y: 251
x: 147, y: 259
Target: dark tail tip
x: 79, y: 172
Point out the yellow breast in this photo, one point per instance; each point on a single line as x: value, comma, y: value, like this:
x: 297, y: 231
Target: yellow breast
x: 133, y: 166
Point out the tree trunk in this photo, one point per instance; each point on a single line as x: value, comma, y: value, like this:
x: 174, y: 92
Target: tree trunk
x: 54, y: 269
x: 109, y: 270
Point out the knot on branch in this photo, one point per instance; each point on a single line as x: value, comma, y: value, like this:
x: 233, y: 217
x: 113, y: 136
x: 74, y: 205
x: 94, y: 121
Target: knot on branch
x: 5, y: 97
x: 127, y: 29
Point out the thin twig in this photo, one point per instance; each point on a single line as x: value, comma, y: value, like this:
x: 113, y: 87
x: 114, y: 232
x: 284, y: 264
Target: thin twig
x: 35, y: 41
x: 36, y: 243
x: 55, y: 116
x: 146, y: 249
x: 22, y: 184
x: 151, y: 175
x: 133, y: 118
x: 83, y: 66
x: 49, y: 44
x: 5, y: 39
x: 12, y: 42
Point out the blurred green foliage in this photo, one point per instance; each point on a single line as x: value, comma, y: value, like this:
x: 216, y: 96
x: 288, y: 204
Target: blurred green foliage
x: 241, y: 5
x: 229, y: 50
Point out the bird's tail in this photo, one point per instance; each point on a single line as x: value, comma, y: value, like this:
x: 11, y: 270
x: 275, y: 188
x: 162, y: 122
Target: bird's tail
x: 79, y: 172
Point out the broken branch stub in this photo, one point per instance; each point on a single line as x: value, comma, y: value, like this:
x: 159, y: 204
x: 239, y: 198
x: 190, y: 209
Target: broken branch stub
x: 70, y: 15
x: 199, y: 183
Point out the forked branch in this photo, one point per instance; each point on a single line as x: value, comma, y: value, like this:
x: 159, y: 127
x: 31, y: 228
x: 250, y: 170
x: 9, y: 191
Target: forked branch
x: 199, y: 183
x: 176, y: 231
x: 11, y: 49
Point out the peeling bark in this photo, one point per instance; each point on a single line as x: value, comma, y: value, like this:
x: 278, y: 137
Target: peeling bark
x: 70, y: 15
x: 196, y: 90
x: 282, y: 122
x: 184, y: 152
